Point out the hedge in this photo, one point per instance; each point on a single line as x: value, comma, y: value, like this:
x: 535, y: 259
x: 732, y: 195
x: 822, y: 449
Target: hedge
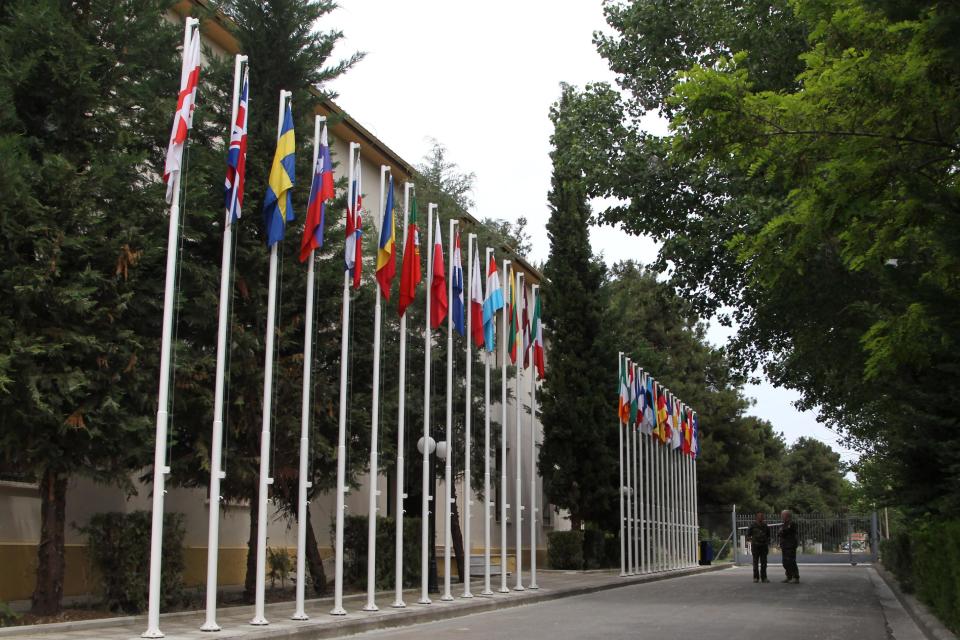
x: 565, y: 549
x: 926, y: 560
x: 119, y: 545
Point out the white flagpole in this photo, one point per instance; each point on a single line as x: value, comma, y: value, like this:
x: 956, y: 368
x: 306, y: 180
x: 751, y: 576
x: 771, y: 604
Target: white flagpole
x: 468, y: 482
x: 375, y: 427
x: 265, y: 479
x: 634, y: 441
x: 503, y: 440
x: 398, y: 602
x: 160, y: 468
x: 658, y: 453
x: 620, y: 489
x: 533, y: 449
x: 696, y: 511
x: 216, y: 444
x: 642, y: 447
x: 338, y: 609
x: 426, y: 545
x: 303, y: 483
x: 448, y: 458
x: 518, y: 454
x: 628, y: 441
x: 487, y: 502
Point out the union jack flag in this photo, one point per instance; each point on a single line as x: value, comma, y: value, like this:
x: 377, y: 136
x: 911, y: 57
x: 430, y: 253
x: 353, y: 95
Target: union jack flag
x: 237, y: 158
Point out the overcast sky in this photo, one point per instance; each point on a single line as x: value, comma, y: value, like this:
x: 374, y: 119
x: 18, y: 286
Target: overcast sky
x: 480, y: 78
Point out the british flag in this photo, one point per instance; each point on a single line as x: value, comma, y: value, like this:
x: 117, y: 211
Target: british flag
x: 237, y: 158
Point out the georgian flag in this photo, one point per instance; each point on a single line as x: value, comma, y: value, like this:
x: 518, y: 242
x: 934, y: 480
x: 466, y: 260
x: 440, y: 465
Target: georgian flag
x: 183, y: 119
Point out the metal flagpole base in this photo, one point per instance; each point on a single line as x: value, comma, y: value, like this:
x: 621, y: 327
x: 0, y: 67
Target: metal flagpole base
x: 339, y: 611
x: 533, y: 586
x: 152, y: 633
x: 300, y: 615
x: 467, y: 594
x: 424, y: 601
x: 399, y: 604
x: 259, y: 621
x: 447, y: 598
x: 503, y: 590
x: 207, y: 626
x: 623, y: 574
x: 486, y: 592
x: 519, y: 587
x: 371, y: 607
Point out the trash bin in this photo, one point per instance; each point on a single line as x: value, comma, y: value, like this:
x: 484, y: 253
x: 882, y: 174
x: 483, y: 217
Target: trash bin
x: 706, y: 552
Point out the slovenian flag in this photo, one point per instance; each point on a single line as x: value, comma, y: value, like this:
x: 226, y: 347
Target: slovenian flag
x: 387, y: 250
x: 438, y: 286
x: 278, y: 203
x: 492, y: 303
x: 456, y: 277
x: 476, y: 301
x: 321, y: 190
x: 237, y: 158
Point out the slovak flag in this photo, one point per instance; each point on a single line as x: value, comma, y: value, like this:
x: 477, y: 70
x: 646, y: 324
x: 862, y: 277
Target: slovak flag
x: 456, y: 279
x: 476, y: 301
x: 353, y: 249
x: 492, y: 303
x: 237, y: 158
x: 321, y: 190
x: 183, y: 119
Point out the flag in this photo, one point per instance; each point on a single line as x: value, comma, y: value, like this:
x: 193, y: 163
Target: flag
x: 676, y: 437
x: 387, y: 250
x: 353, y: 247
x: 668, y: 423
x: 649, y: 410
x: 638, y: 396
x: 278, y: 203
x: 456, y: 278
x: 633, y: 394
x: 237, y: 157
x: 438, y: 288
x: 526, y: 330
x: 476, y: 301
x: 661, y: 430
x: 696, y: 435
x: 512, y: 311
x: 623, y: 404
x: 183, y: 118
x: 492, y: 303
x: 410, y: 275
x: 321, y: 190
x: 538, y: 338
x: 687, y: 431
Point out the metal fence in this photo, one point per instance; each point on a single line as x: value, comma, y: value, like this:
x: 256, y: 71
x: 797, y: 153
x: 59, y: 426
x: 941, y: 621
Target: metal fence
x: 825, y: 538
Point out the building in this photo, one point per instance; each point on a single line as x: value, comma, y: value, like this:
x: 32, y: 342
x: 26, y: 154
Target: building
x: 20, y: 503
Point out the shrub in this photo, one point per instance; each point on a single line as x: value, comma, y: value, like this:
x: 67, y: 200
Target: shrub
x: 8, y: 617
x: 897, y: 556
x: 355, y: 551
x: 565, y: 549
x: 119, y: 545
x: 281, y: 564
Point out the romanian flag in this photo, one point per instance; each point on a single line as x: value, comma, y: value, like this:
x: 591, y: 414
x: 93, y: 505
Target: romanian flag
x: 278, y: 203
x: 476, y: 301
x: 387, y: 250
x: 513, y: 334
x: 183, y: 118
x: 538, y: 362
x: 623, y: 404
x: 353, y: 246
x: 492, y: 303
x: 410, y: 275
x: 321, y: 190
x: 438, y: 286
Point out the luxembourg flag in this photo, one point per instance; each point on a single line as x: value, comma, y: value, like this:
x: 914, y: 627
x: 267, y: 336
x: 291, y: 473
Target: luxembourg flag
x: 491, y: 304
x: 352, y: 250
x: 183, y: 119
x: 456, y: 278
x: 476, y: 301
x: 321, y: 190
x: 237, y: 158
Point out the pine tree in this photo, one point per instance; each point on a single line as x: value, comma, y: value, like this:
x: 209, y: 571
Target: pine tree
x: 86, y: 96
x: 578, y: 418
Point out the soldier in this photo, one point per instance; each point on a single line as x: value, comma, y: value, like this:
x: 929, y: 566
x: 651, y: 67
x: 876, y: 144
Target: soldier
x: 788, y: 547
x: 759, y: 536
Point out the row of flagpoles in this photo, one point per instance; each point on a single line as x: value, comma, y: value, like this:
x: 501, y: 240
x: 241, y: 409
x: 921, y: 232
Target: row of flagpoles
x: 523, y: 343
x: 659, y: 525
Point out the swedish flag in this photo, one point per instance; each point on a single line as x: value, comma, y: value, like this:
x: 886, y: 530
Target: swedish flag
x: 278, y: 204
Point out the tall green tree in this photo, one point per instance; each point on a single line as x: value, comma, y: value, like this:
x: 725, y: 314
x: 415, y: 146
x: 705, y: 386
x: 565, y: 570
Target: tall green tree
x: 86, y: 97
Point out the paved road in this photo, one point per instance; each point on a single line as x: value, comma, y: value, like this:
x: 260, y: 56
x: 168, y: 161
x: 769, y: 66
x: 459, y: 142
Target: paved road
x: 846, y: 603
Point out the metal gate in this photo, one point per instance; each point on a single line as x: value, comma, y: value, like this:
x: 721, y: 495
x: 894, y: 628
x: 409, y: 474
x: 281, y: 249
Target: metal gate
x: 825, y: 538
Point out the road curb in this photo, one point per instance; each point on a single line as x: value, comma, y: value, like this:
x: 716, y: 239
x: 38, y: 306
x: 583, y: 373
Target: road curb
x: 931, y: 627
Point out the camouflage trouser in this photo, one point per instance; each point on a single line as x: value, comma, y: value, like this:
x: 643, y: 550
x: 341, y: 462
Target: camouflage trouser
x: 790, y: 562
x: 759, y: 561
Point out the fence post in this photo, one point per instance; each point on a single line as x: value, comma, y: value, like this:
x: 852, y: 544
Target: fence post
x: 873, y: 536
x: 733, y: 533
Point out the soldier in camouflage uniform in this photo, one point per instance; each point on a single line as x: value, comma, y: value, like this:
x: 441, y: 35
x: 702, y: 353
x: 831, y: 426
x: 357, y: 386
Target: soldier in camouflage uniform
x: 759, y: 536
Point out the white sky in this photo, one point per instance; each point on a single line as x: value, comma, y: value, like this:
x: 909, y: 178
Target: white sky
x: 480, y: 77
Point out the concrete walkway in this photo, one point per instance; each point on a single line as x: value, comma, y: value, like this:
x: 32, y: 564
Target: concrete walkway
x: 235, y: 620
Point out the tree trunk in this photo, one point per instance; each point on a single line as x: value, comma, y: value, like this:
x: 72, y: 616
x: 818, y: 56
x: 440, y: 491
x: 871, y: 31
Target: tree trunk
x: 51, y: 564
x: 314, y: 562
x: 249, y: 583
x: 456, y: 533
